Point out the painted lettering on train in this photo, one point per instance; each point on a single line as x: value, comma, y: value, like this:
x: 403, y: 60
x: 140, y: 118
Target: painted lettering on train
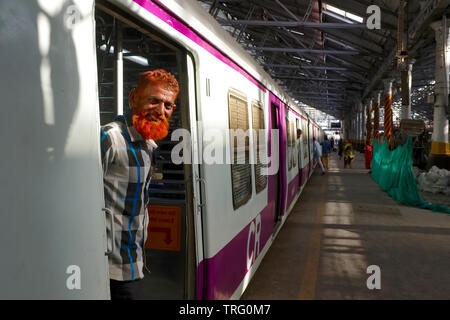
x: 253, y: 241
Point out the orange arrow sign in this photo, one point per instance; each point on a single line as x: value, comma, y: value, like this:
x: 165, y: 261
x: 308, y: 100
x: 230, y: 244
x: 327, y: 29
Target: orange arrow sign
x: 164, y: 228
x: 166, y: 231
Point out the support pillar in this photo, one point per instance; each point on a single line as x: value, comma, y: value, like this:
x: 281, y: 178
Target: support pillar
x: 369, y: 122
x: 353, y: 125
x: 358, y: 125
x: 376, y: 116
x: 406, y: 85
x: 355, y: 128
x: 388, y: 110
x: 347, y: 127
x: 362, y: 125
x: 440, y: 148
x: 118, y: 50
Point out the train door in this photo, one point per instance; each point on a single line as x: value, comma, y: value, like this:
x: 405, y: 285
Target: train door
x: 125, y: 48
x: 299, y: 150
x: 276, y: 121
x: 309, y: 147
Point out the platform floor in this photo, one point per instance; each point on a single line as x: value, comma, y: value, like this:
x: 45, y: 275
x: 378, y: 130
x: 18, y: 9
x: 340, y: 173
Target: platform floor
x: 342, y: 224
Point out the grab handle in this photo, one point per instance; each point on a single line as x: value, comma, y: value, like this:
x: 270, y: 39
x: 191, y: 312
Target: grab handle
x: 109, y: 212
x: 202, y: 182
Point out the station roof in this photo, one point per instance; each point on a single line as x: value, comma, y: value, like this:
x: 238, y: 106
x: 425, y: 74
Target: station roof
x: 323, y: 54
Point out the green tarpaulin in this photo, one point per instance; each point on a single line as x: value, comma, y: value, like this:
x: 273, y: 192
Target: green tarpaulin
x: 392, y: 170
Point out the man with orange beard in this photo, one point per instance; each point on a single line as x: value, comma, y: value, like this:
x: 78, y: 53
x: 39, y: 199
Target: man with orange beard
x: 126, y: 146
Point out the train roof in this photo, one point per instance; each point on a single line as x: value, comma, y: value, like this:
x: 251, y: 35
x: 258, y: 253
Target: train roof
x: 192, y: 13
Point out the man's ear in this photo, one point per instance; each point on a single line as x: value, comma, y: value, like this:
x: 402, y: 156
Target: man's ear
x: 132, y: 97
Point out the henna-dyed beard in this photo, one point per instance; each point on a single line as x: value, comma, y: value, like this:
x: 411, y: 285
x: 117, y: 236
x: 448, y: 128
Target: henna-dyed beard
x: 150, y: 129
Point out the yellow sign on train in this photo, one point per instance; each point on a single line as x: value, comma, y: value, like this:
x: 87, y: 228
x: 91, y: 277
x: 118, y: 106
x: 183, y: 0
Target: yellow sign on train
x: 164, y: 228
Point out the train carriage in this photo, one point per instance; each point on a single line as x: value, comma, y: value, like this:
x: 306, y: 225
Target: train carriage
x: 212, y: 218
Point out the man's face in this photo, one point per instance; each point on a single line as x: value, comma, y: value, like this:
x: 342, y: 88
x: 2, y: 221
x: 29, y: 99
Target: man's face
x: 152, y: 106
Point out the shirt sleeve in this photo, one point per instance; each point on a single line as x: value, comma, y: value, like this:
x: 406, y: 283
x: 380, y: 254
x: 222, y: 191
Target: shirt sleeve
x: 107, y: 150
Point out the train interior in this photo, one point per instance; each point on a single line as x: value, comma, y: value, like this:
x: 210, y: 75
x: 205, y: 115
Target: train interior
x: 170, y: 253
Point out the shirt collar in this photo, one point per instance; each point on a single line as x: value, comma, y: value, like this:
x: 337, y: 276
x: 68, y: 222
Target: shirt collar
x: 134, y: 134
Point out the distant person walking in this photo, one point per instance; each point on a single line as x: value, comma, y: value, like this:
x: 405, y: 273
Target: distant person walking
x: 326, y: 150
x: 317, y: 153
x: 340, y: 148
x: 368, y: 155
x: 349, y: 155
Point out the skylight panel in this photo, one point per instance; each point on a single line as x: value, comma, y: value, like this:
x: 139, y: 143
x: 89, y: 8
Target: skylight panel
x: 354, y: 17
x: 335, y: 10
x: 343, y: 13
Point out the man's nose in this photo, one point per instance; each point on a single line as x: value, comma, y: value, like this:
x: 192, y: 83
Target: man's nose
x: 160, y: 108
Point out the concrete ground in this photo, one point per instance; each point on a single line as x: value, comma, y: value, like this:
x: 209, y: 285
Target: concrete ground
x: 344, y: 223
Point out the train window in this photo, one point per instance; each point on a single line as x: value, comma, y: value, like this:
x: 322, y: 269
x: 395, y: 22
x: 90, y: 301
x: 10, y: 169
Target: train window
x: 305, y: 133
x: 290, y: 142
x: 259, y: 146
x: 304, y: 138
x: 241, y: 176
x: 293, y: 135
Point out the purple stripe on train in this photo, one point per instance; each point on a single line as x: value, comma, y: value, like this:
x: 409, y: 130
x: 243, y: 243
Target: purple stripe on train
x: 226, y: 270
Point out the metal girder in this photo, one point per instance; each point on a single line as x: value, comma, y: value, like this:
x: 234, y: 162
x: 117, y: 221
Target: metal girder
x: 303, y: 93
x: 291, y: 66
x: 361, y: 65
x: 317, y: 91
x: 335, y: 105
x: 313, y: 79
x: 339, y: 69
x: 420, y: 23
x: 330, y: 99
x: 293, y: 24
x: 287, y: 10
x: 335, y: 90
x: 355, y: 40
x: 299, y: 50
x: 296, y: 38
x: 302, y: 6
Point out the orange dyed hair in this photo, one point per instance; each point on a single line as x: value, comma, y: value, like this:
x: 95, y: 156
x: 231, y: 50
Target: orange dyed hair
x: 159, y: 76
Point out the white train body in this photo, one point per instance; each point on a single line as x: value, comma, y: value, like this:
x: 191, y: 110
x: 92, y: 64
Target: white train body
x: 225, y: 241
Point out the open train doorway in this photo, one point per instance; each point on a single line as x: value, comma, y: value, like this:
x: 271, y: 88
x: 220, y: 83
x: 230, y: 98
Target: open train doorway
x: 126, y: 47
x: 276, y: 124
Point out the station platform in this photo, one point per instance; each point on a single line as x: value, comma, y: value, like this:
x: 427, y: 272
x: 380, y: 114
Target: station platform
x: 342, y: 224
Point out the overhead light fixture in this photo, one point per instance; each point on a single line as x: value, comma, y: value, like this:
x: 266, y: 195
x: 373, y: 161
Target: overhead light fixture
x: 136, y: 59
x: 296, y: 32
x: 302, y: 59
